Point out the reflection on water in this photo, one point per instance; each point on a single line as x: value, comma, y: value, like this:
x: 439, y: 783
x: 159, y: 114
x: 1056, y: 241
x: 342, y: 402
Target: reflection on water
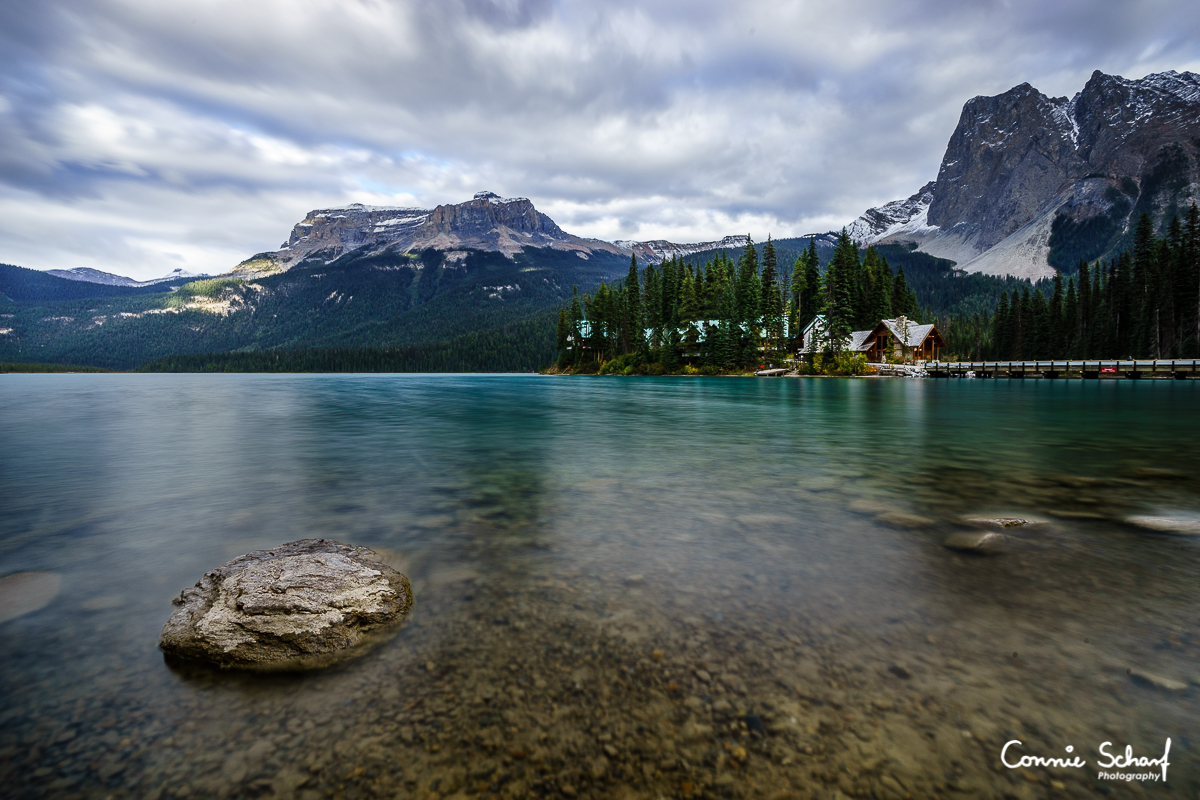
x: 625, y: 588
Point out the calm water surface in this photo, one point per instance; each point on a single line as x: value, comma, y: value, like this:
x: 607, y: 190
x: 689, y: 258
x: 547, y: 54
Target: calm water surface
x: 630, y: 588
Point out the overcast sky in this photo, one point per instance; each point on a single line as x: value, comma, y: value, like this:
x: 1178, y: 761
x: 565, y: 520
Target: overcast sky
x: 138, y: 136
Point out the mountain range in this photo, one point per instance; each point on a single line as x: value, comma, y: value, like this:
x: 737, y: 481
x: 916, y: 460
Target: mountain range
x: 1031, y: 183
x: 1028, y: 183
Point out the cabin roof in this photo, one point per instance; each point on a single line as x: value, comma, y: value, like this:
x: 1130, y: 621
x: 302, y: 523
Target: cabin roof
x: 859, y: 340
x: 916, y: 333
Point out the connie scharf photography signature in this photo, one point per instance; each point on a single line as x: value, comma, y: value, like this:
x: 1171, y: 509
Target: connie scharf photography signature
x: 1111, y: 766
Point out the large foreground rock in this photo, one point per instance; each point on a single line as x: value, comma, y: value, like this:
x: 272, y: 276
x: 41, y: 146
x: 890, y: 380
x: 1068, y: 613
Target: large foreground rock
x: 302, y: 605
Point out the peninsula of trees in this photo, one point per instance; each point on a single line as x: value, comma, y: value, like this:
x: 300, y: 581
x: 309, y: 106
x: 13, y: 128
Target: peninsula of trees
x: 725, y: 316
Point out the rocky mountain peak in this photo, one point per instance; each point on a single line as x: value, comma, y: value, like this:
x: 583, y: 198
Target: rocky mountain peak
x: 485, y: 222
x: 1021, y: 165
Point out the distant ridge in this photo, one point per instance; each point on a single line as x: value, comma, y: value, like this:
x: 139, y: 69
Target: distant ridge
x: 89, y: 275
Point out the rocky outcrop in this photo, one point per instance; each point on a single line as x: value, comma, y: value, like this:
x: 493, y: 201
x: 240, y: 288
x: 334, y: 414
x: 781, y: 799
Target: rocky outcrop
x: 302, y: 605
x: 1030, y: 182
x: 485, y: 222
x: 656, y: 251
x: 894, y: 219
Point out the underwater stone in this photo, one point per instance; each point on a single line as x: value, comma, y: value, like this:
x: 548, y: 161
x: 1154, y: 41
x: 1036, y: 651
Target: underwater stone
x: 974, y: 542
x: 1180, y: 526
x: 303, y: 605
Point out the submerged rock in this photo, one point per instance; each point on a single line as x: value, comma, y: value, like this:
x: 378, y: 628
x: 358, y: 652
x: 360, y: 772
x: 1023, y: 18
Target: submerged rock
x: 997, y: 522
x: 1150, y: 680
x: 975, y: 542
x: 302, y: 605
x: 1180, y: 526
x: 903, y: 519
x: 24, y: 592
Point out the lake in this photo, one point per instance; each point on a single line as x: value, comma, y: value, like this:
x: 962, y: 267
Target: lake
x: 628, y: 588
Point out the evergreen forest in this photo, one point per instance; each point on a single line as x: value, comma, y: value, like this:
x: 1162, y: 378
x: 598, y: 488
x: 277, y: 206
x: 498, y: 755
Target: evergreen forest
x: 726, y: 315
x: 1144, y: 303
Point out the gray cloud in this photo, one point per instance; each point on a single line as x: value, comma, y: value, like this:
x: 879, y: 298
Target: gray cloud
x: 137, y: 136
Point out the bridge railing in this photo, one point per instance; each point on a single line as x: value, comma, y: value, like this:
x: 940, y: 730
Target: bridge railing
x: 1120, y: 366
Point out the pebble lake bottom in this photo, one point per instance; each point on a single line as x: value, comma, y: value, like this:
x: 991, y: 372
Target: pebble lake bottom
x: 625, y: 588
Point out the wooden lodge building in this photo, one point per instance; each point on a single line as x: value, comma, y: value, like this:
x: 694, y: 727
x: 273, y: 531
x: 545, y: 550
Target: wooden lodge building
x: 899, y: 338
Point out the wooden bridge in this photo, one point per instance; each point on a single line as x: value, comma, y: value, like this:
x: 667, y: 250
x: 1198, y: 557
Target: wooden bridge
x: 1179, y: 369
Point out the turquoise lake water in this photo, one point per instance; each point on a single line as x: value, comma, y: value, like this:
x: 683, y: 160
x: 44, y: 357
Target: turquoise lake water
x: 631, y: 588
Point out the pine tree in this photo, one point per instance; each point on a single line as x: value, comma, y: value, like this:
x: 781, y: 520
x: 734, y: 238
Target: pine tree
x: 1122, y: 304
x: 1037, y: 336
x: 575, y: 317
x: 771, y: 305
x: 1142, y: 286
x: 795, y: 306
x: 1191, y: 243
x: 653, y: 303
x: 689, y: 306
x: 904, y: 301
x: 563, y: 331
x: 1070, y: 321
x: 728, y: 333
x: 839, y: 307
x: 747, y: 285
x: 882, y: 292
x: 1084, y: 318
x: 1056, y: 340
x: 631, y: 311
x: 1026, y: 329
x: 812, y: 283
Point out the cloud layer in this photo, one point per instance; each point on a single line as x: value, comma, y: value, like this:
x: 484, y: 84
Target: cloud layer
x: 138, y: 136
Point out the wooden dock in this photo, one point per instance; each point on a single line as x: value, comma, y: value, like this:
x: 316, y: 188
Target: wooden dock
x: 1179, y: 369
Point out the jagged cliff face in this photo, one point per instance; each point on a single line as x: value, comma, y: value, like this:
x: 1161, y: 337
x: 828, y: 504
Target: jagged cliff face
x: 1029, y: 182
x: 656, y: 251
x: 486, y: 222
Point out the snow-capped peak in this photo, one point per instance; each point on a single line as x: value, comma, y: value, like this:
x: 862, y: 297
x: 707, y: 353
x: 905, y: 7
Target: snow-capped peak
x: 492, y: 197
x: 910, y: 215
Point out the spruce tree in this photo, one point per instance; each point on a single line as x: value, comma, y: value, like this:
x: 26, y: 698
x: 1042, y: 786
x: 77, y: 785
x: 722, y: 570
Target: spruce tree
x: 840, y: 293
x: 728, y: 340
x: 772, y: 306
x: 1038, y: 326
x: 562, y: 333
x: 1056, y: 340
x: 882, y: 289
x: 799, y: 289
x: 904, y: 301
x: 653, y: 303
x: 1084, y: 319
x: 1070, y: 321
x: 812, y: 282
x: 1191, y: 243
x: 747, y: 285
x: 632, y: 315
x: 1002, y: 329
x: 575, y: 319
x: 688, y: 302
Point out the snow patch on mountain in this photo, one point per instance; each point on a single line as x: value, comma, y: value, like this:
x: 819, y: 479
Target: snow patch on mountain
x: 898, y: 217
x: 88, y: 275
x: 658, y: 250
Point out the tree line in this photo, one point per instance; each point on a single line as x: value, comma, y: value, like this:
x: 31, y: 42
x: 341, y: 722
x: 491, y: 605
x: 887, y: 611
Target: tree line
x: 517, y: 347
x: 1144, y: 303
x: 726, y: 315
